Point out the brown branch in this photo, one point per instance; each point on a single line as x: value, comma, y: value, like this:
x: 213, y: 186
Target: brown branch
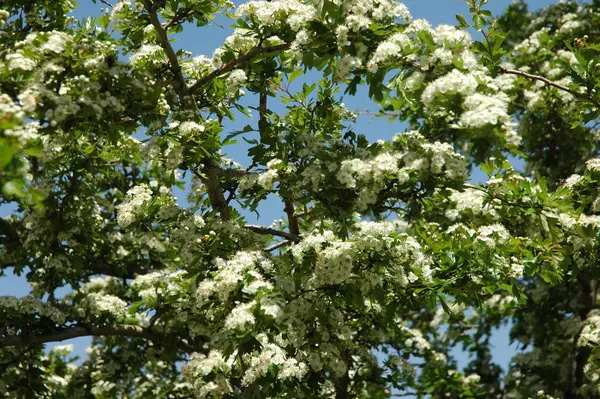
x: 105, y: 2
x: 342, y: 385
x: 539, y: 207
x: 303, y: 213
x: 292, y: 218
x: 80, y: 331
x: 211, y: 172
x: 230, y: 172
x: 174, y: 65
x: 582, y: 96
x: 235, y: 62
x: 213, y: 187
x: 179, y: 18
x: 263, y: 124
x: 576, y: 378
x: 277, y: 246
x: 273, y: 232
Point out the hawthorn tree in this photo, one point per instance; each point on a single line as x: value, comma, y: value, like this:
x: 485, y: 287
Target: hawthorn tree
x: 387, y: 259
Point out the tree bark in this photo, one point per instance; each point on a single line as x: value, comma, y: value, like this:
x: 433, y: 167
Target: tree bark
x: 576, y: 378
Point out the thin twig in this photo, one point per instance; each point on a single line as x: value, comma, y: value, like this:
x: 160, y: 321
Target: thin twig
x: 403, y: 395
x: 235, y: 62
x: 303, y: 213
x: 583, y: 96
x: 277, y: 246
x: 230, y: 172
x: 273, y: 232
x: 178, y: 18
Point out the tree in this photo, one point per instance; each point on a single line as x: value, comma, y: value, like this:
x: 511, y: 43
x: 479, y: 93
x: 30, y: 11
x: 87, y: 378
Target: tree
x: 387, y: 257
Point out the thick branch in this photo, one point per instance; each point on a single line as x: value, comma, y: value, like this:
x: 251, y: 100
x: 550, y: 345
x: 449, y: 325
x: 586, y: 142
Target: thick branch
x: 231, y: 65
x: 121, y: 270
x: 292, y: 218
x: 273, y: 232
x: 583, y: 96
x: 213, y: 187
x: 580, y: 355
x: 212, y: 180
x: 8, y: 232
x: 79, y: 331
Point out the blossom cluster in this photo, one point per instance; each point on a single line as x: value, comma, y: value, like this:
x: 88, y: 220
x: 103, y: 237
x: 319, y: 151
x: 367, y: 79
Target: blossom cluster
x: 137, y: 197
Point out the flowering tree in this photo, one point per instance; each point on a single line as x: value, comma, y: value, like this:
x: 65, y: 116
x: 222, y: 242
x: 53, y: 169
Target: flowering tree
x: 386, y: 259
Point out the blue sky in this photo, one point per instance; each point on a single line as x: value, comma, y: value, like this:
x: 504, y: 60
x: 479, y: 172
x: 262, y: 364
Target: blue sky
x: 205, y: 40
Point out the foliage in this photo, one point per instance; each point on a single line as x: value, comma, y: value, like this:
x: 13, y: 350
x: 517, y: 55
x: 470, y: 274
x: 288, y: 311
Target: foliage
x: 387, y: 259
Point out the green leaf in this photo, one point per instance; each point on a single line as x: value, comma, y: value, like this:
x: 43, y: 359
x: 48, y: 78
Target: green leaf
x: 104, y: 21
x: 462, y: 22
x: 544, y: 223
x: 294, y: 75
x: 33, y: 151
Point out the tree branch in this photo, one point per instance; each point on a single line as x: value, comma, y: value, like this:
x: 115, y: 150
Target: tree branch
x: 211, y: 171
x: 273, y: 232
x: 277, y: 246
x: 582, y: 96
x: 230, y: 172
x: 213, y: 187
x: 174, y: 65
x: 235, y: 62
x: 125, y: 330
x: 292, y: 218
x: 576, y: 378
x: 178, y: 18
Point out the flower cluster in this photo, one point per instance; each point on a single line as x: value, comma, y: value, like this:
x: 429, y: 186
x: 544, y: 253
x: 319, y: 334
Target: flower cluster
x: 469, y: 201
x: 480, y: 109
x: 129, y: 210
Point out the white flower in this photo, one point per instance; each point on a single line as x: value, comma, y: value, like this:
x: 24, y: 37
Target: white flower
x: 57, y: 42
x: 295, y: 13
x: 136, y: 197
x: 267, y: 179
x: 392, y: 49
x: 240, y: 316
x: 151, y: 53
x: 516, y: 269
x: 346, y: 65
x: 593, y: 164
x: 572, y: 181
x: 271, y: 307
x: 272, y: 354
x: 469, y: 200
x: 532, y: 44
x: 104, y: 303
x: 570, y: 23
x: 202, y: 365
x: 493, y: 234
x: 472, y: 379
x: 19, y: 61
x: 63, y: 350
x: 485, y: 110
x: 189, y: 128
x: 236, y: 79
x: 453, y: 82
